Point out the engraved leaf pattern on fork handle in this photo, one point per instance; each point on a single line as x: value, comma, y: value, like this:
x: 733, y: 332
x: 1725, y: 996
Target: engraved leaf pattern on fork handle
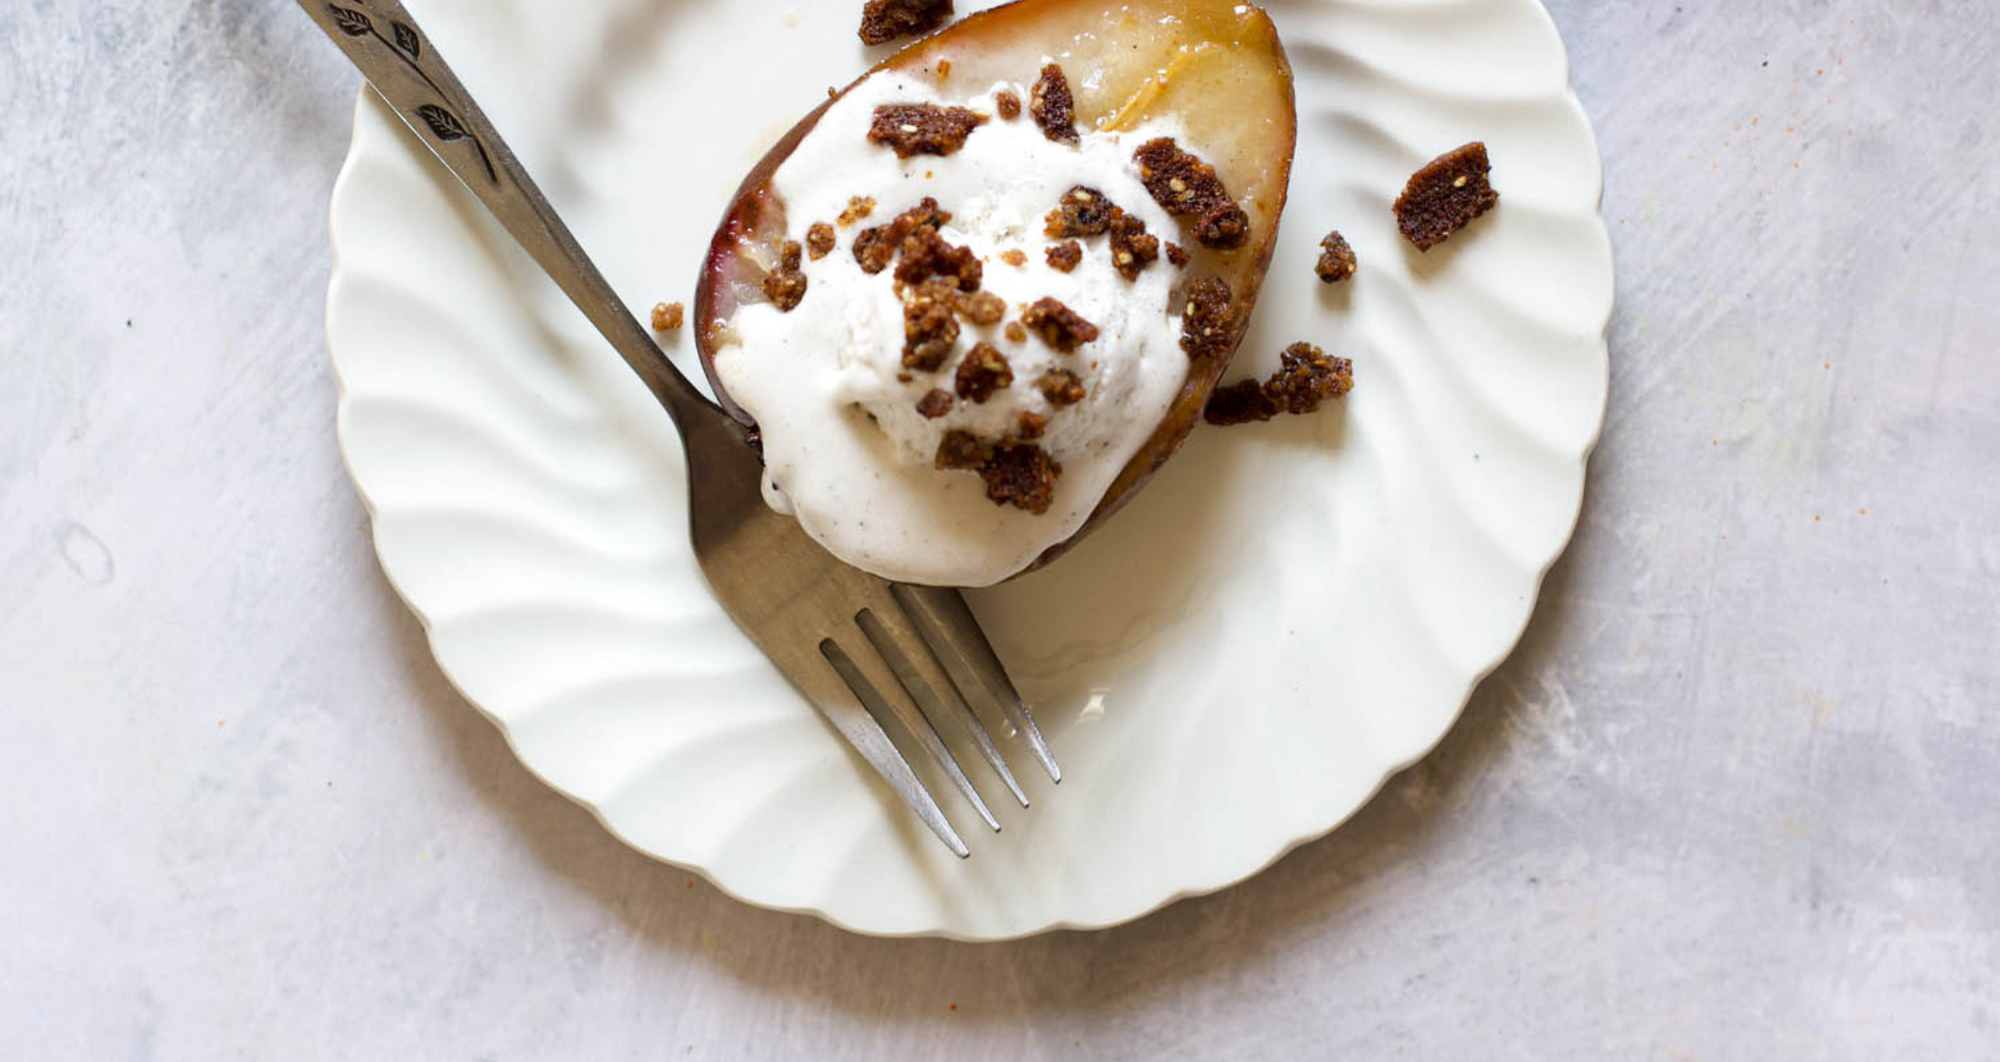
x: 408, y: 47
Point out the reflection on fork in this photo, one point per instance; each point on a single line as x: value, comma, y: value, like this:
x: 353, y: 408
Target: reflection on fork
x: 863, y: 650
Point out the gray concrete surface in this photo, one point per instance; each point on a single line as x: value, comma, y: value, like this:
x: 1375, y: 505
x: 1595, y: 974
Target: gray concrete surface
x: 1735, y: 797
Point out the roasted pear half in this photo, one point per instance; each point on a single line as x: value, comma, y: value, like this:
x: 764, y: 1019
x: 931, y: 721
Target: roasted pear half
x: 1211, y: 74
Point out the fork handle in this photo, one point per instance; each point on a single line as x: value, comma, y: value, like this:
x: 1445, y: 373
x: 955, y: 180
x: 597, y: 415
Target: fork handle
x: 384, y: 43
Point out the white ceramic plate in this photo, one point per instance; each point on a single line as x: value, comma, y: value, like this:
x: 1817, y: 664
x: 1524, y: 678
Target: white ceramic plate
x: 1288, y: 615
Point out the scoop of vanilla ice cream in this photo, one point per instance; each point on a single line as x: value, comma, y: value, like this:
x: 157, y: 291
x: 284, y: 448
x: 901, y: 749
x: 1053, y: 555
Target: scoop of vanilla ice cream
x: 844, y: 442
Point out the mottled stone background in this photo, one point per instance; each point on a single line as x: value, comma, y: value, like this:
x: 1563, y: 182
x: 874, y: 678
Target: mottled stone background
x: 1735, y: 798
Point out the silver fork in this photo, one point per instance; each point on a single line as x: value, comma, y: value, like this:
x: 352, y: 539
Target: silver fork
x: 861, y: 649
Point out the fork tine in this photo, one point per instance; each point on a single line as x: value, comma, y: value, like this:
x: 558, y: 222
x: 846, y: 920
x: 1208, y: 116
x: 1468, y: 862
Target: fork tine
x: 878, y: 688
x: 840, y: 703
x: 949, y: 628
x: 903, y: 648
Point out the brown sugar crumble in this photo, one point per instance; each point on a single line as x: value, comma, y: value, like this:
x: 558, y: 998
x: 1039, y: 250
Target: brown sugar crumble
x: 1052, y: 106
x: 926, y: 255
x: 1058, y: 325
x: 1082, y: 212
x: 913, y: 129
x: 1206, y: 324
x: 1336, y: 259
x: 1064, y: 257
x: 984, y: 371
x: 858, y: 207
x: 1132, y: 250
x: 1014, y: 256
x: 668, y: 316
x: 819, y: 240
x: 1445, y: 196
x: 883, y: 21
x: 1016, y: 332
x: 1177, y: 255
x: 874, y: 251
x: 930, y: 329
x: 1023, y: 475
x: 1087, y: 212
x: 1188, y: 187
x: 982, y: 308
x: 1008, y: 104
x: 935, y: 404
x: 1307, y: 378
x: 1015, y: 471
x: 1061, y: 387
x: 876, y: 247
x: 961, y: 451
x: 786, y: 286
x: 1030, y: 425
